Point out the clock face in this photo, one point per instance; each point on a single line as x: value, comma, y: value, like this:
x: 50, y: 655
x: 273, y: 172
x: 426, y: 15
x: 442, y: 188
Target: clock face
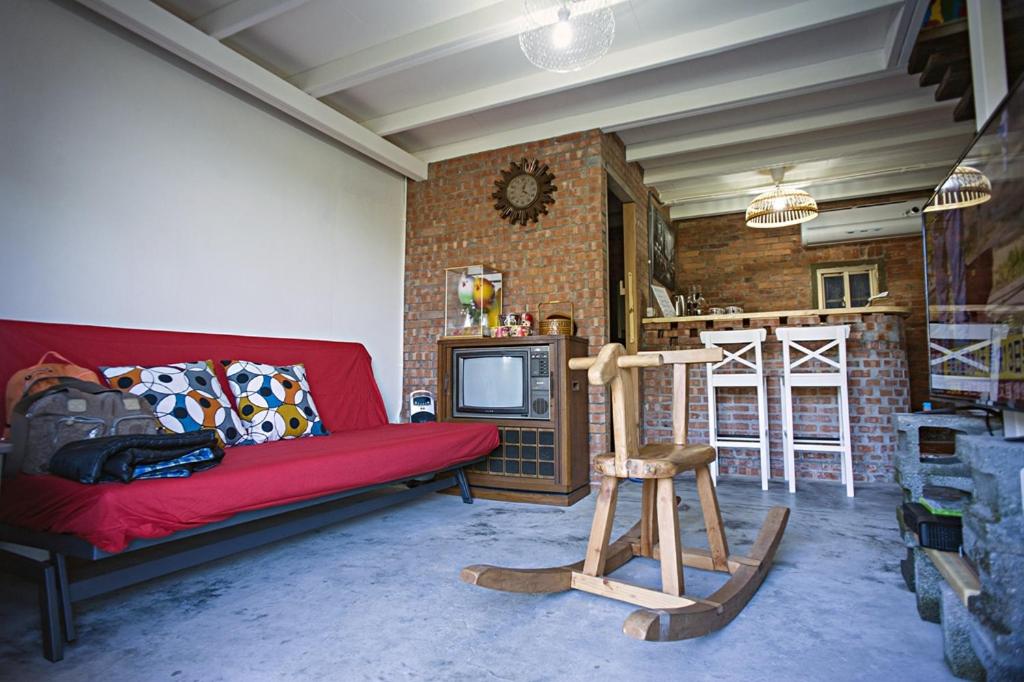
x: 522, y: 190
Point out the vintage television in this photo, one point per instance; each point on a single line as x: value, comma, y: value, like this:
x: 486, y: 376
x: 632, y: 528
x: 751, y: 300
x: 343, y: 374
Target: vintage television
x: 974, y: 256
x: 521, y: 385
x: 507, y: 381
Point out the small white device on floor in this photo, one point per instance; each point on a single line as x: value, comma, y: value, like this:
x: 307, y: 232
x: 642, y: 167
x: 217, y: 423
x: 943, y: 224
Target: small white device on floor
x: 421, y: 407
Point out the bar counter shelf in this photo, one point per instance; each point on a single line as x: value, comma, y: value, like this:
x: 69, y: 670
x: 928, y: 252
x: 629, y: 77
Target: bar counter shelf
x: 783, y: 315
x: 879, y: 387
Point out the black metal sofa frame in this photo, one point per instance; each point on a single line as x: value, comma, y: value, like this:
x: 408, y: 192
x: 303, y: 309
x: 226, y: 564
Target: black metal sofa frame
x: 97, y: 572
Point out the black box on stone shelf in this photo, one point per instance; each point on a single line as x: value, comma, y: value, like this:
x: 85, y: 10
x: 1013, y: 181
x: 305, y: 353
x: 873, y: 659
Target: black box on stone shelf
x: 944, y: 533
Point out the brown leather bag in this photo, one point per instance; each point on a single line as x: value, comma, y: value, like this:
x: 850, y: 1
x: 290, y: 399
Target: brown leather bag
x: 68, y: 411
x: 41, y: 376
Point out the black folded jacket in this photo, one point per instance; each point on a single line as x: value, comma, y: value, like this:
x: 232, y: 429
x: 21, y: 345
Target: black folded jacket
x: 114, y: 458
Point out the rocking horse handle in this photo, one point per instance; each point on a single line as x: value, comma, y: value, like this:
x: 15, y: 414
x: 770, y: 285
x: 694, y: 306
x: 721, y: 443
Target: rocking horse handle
x: 605, y: 366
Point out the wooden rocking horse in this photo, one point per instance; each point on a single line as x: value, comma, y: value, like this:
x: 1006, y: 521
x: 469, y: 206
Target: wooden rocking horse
x: 669, y: 614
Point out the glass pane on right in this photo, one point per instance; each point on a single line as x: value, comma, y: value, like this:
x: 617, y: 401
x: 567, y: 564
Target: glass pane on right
x: 834, y: 291
x: 860, y: 289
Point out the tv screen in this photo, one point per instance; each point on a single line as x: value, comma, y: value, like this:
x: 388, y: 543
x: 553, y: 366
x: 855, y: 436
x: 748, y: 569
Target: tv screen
x: 492, y: 382
x: 975, y: 274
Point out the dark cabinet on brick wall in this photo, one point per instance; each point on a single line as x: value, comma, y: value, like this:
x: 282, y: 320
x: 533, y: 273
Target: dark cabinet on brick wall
x: 543, y: 456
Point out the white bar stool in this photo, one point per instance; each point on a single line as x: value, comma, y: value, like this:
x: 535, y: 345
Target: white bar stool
x: 736, y: 370
x: 832, y: 374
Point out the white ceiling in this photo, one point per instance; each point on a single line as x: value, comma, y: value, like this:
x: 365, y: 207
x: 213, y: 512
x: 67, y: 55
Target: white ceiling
x: 708, y: 95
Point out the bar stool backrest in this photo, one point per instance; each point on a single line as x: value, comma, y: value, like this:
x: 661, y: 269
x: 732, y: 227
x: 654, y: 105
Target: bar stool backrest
x: 972, y: 349
x: 827, y: 359
x: 736, y: 362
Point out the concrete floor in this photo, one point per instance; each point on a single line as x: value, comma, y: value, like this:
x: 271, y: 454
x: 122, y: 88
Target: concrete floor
x: 378, y: 598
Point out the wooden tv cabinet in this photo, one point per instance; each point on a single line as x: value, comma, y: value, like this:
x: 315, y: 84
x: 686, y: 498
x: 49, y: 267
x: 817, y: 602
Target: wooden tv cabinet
x: 541, y: 461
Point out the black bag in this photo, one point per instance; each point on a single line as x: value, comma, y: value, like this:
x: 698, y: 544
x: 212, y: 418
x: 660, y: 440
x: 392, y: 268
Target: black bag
x: 70, y: 411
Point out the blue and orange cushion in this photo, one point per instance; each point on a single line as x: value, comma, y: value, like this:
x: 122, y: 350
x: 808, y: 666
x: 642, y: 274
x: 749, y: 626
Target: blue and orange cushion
x: 185, y: 397
x: 273, y: 402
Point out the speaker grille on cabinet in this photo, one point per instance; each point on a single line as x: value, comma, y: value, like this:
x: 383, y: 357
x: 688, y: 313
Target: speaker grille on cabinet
x: 522, y: 452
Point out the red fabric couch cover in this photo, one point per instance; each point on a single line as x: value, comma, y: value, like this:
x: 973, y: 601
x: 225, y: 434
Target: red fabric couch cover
x: 363, y: 449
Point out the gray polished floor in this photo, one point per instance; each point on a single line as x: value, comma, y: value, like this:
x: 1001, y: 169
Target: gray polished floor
x: 378, y: 598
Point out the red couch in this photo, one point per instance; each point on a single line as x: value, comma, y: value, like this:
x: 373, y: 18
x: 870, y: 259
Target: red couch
x: 362, y: 451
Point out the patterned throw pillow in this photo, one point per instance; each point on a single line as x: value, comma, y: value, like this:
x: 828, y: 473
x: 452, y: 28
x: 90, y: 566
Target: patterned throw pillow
x: 274, y: 402
x: 185, y: 396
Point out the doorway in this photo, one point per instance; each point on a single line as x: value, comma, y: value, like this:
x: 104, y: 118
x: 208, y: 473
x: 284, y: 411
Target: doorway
x: 616, y: 272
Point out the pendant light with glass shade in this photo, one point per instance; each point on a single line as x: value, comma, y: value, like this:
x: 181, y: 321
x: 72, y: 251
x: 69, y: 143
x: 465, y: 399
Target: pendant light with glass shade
x: 566, y: 35
x: 781, y: 206
x: 965, y: 186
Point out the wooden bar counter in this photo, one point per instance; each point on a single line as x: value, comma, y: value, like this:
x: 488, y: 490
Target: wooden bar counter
x: 878, y: 379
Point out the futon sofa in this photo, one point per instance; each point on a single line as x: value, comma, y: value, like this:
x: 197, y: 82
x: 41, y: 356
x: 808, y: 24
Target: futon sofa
x: 118, y: 534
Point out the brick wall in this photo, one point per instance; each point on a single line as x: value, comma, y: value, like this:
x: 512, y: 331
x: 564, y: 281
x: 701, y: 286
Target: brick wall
x: 451, y: 221
x: 769, y: 269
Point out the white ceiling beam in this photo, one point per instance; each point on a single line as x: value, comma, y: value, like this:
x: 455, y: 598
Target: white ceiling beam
x: 687, y: 46
x: 483, y: 26
x: 789, y: 125
x: 924, y: 180
x: 988, y: 57
x: 746, y: 91
x: 804, y: 177
x: 903, y: 33
x: 179, y: 37
x: 239, y: 15
x: 795, y: 153
x: 480, y: 27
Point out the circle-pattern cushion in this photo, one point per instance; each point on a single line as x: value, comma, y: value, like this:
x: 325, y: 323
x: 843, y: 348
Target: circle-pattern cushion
x: 185, y: 397
x: 274, y: 402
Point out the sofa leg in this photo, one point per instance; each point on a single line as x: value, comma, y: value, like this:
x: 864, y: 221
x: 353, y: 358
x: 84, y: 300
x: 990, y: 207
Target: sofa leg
x: 467, y: 494
x: 49, y: 614
x: 63, y: 589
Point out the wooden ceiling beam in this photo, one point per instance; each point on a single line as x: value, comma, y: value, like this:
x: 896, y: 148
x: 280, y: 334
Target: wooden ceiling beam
x: 184, y: 40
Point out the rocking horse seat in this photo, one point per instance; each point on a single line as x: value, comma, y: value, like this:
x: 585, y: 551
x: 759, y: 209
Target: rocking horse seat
x: 663, y: 460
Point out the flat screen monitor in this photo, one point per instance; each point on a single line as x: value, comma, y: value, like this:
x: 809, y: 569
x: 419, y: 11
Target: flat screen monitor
x: 975, y: 274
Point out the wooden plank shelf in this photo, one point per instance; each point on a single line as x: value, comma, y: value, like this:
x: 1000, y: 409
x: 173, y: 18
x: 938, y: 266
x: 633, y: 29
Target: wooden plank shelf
x: 866, y: 310
x: 958, y: 573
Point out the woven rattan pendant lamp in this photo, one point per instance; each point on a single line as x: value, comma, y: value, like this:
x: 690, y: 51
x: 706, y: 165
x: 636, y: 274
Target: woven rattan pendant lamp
x: 781, y: 206
x: 966, y: 186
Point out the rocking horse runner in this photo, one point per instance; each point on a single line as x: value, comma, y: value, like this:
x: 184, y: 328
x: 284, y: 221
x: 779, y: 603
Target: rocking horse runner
x: 669, y: 614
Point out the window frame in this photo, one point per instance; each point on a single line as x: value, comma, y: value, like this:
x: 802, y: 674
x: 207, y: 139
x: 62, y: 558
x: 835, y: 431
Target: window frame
x: 818, y: 273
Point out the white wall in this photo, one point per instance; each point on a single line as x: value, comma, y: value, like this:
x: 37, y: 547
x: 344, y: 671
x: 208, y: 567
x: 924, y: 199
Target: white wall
x: 136, y: 193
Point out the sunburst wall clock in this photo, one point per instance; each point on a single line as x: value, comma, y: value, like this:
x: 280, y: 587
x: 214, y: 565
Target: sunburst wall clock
x: 524, y: 191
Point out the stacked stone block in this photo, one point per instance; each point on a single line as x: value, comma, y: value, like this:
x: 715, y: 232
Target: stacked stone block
x: 994, y: 542
x: 912, y: 472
